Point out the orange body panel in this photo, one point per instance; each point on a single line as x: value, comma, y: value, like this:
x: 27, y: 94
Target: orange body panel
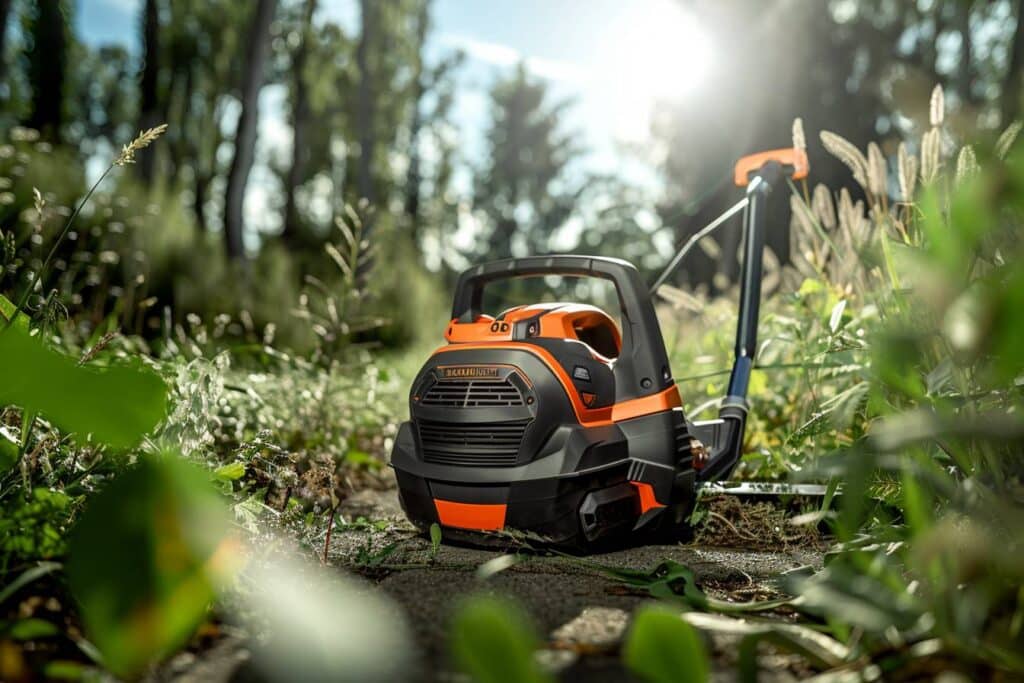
x: 470, y: 515
x: 560, y: 321
x: 647, y: 499
x: 792, y: 157
x: 590, y: 417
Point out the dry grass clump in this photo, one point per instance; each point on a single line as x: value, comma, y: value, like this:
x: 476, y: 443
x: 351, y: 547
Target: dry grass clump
x: 730, y: 522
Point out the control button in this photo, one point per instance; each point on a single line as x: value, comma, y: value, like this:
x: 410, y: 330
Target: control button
x: 580, y: 372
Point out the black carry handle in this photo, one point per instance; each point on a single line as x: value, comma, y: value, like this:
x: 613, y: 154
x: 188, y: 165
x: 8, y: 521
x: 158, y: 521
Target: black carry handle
x: 642, y: 367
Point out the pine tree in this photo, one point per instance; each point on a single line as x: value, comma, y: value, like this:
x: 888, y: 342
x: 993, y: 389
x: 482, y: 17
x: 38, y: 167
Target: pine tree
x: 521, y: 188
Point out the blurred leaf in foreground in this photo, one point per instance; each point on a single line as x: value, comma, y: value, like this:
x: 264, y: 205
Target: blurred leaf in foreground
x: 662, y: 648
x: 316, y: 624
x: 117, y: 405
x: 493, y: 642
x: 145, y: 560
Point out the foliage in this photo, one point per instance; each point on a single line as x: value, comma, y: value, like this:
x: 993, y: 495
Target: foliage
x: 134, y: 398
x: 925, y: 307
x: 662, y: 648
x: 148, y: 548
x: 164, y: 521
x: 493, y: 641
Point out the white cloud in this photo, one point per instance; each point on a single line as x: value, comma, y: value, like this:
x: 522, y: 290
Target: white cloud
x: 503, y: 55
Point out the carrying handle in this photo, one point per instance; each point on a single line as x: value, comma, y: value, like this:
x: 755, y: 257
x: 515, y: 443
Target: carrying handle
x: 642, y: 367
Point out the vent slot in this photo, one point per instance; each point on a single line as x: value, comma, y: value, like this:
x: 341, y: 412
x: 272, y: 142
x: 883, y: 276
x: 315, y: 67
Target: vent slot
x: 682, y: 439
x: 489, y: 444
x: 473, y: 393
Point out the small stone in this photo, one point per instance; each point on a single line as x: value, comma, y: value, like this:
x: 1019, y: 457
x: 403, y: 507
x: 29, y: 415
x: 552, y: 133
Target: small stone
x: 594, y: 627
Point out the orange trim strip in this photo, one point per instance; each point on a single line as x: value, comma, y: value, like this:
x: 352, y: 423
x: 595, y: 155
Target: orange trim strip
x: 470, y: 515
x: 636, y: 407
x: 645, y: 405
x: 647, y: 499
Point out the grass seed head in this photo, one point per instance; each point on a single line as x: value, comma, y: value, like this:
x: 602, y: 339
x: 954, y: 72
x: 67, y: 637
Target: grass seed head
x: 1007, y: 138
x: 906, y: 165
x: 937, y: 107
x: 931, y: 151
x: 877, y: 175
x: 966, y: 164
x: 799, y: 139
x: 824, y: 207
x: 141, y: 141
x: 847, y: 152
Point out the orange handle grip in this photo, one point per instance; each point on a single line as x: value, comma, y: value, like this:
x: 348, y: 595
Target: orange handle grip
x: 790, y: 158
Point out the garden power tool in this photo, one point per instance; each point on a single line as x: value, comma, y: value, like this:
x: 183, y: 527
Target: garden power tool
x: 549, y: 421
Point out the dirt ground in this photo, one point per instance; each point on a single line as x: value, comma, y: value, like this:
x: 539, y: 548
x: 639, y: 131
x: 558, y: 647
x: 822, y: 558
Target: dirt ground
x: 581, y: 611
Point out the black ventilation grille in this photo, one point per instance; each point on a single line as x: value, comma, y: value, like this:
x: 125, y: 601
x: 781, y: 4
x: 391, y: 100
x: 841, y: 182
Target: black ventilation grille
x: 488, y: 444
x: 473, y: 393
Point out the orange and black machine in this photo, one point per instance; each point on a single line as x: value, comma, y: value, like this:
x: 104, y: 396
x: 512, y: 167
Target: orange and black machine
x: 550, y: 421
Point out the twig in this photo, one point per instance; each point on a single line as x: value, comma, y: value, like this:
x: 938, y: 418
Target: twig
x: 330, y: 528
x: 741, y: 534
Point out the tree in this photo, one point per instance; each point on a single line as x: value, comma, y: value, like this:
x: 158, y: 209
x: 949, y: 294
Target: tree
x: 245, y: 131
x: 148, y: 85
x: 413, y: 177
x: 1014, y: 71
x: 47, y: 57
x: 300, y: 122
x: 522, y: 188
x: 5, y: 10
x: 365, y: 99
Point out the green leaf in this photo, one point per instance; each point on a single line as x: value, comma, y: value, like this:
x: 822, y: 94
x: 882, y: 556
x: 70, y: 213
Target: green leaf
x: 31, y: 629
x: 8, y: 310
x: 493, y: 642
x: 9, y: 452
x: 64, y: 670
x: 673, y: 581
x: 435, y: 538
x: 26, y: 577
x: 116, y: 405
x: 145, y: 559
x: 362, y: 459
x: 233, y: 471
x: 662, y: 648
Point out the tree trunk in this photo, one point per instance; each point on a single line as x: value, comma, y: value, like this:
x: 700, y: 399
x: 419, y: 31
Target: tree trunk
x: 47, y: 69
x: 1011, y: 82
x: 965, y: 77
x: 365, y: 104
x: 300, y: 119
x: 365, y: 125
x: 5, y: 11
x: 414, y: 176
x: 245, y: 131
x: 148, y: 85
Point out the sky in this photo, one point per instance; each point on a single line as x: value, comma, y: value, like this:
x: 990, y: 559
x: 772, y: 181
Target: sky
x: 614, y: 60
